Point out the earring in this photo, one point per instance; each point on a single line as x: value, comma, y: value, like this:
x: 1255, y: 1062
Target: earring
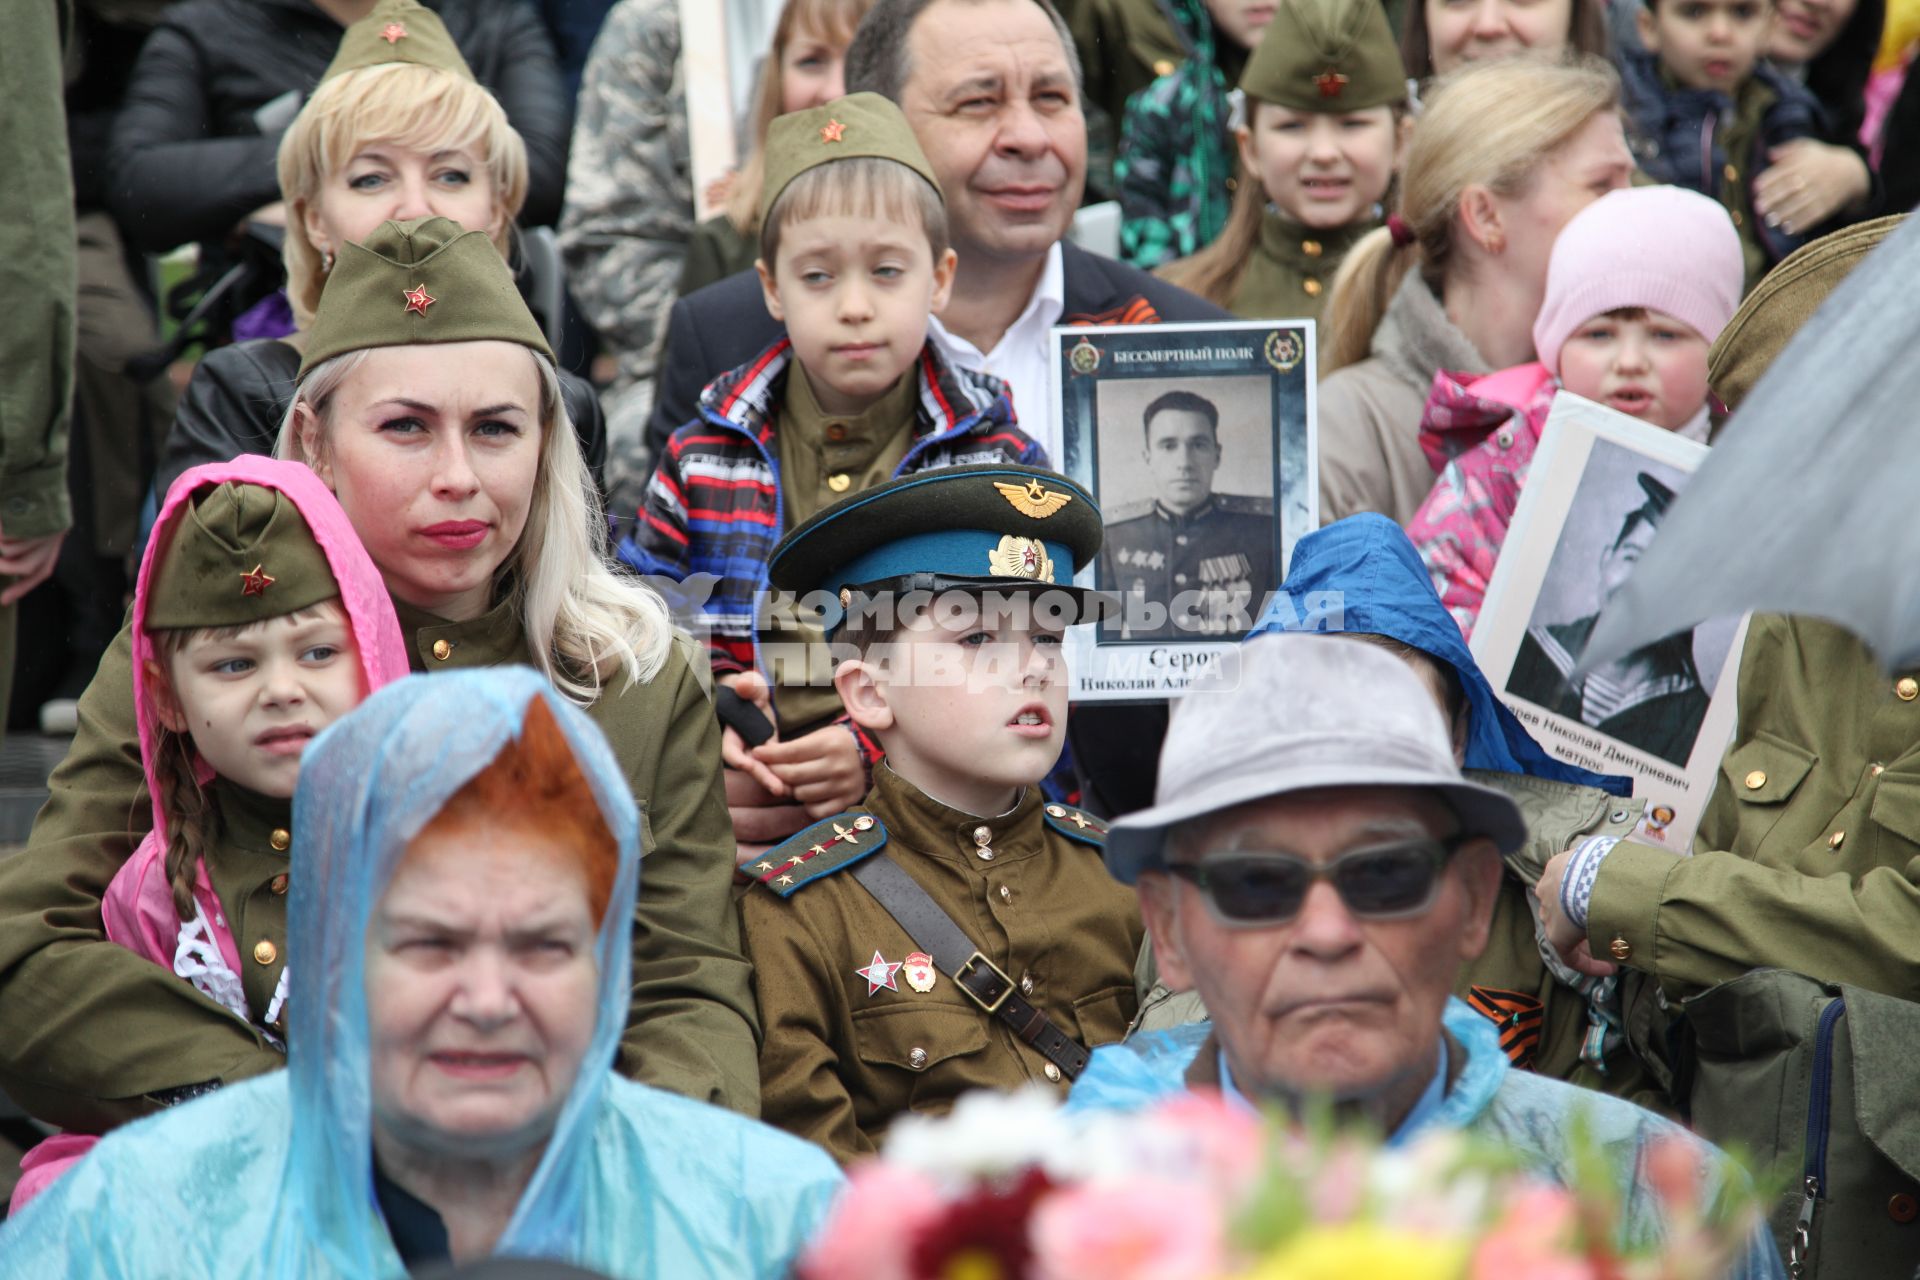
x: 1496, y: 243
x: 326, y: 261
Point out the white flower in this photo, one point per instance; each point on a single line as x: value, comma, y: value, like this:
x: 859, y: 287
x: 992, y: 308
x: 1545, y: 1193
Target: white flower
x: 986, y: 1133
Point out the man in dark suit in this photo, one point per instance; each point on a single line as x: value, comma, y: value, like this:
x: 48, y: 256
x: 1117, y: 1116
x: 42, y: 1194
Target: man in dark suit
x: 991, y: 88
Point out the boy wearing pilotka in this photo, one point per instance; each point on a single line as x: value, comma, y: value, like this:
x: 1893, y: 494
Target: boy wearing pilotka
x: 853, y: 259
x: 953, y: 930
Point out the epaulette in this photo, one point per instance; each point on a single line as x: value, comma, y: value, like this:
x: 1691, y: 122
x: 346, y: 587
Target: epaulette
x: 1076, y: 824
x: 1129, y: 511
x: 820, y: 850
x: 1244, y: 504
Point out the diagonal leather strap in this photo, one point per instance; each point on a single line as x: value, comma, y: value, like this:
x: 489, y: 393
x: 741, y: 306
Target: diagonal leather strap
x: 982, y: 981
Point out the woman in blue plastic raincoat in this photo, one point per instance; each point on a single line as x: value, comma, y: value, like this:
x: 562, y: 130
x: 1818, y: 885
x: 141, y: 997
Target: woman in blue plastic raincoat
x: 460, y: 984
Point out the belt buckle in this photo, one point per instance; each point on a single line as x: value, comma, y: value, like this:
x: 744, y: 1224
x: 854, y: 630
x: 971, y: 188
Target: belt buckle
x: 960, y: 975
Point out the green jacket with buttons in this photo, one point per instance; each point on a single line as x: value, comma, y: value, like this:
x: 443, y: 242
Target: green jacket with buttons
x: 1543, y: 1018
x: 1808, y: 857
x: 839, y: 1060
x: 1291, y: 269
x: 93, y: 1031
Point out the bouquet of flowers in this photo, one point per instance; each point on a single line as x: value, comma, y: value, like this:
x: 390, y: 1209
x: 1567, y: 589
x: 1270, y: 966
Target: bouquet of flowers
x: 1009, y: 1187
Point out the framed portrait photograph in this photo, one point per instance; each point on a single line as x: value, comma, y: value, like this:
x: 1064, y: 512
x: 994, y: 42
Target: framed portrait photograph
x: 1598, y: 493
x: 1197, y: 440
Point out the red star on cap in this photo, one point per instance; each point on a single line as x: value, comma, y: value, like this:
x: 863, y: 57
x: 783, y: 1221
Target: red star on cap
x: 256, y: 582
x: 832, y: 131
x: 393, y: 33
x: 1330, y: 83
x: 418, y: 299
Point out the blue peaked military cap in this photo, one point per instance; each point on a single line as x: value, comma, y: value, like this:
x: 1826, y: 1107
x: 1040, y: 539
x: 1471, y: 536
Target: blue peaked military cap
x: 985, y: 527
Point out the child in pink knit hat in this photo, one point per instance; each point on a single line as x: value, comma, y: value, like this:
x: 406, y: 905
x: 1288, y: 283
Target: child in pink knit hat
x: 1640, y: 284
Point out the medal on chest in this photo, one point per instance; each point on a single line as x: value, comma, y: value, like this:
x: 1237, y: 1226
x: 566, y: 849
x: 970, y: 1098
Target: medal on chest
x: 919, y: 972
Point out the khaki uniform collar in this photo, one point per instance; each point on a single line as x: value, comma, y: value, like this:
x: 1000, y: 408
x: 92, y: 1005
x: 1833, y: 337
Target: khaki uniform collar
x: 1308, y: 251
x: 249, y: 821
x: 916, y: 821
x: 860, y: 436
x: 490, y: 640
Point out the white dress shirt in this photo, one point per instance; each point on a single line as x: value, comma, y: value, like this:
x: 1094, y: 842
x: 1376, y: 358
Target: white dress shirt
x: 1021, y: 357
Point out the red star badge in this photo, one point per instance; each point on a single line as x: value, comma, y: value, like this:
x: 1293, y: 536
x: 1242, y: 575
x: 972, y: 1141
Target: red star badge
x: 393, y: 33
x: 418, y: 300
x: 879, y: 973
x: 256, y: 582
x: 1330, y: 83
x: 832, y: 131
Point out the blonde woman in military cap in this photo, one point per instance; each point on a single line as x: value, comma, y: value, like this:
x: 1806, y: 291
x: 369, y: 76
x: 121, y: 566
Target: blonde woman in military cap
x: 853, y: 261
x: 1321, y: 142
x: 398, y: 128
x: 258, y: 620
x: 428, y: 404
x: 954, y: 930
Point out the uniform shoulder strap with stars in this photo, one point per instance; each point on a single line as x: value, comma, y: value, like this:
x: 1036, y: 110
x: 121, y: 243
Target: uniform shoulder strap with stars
x: 1076, y: 824
x: 819, y: 850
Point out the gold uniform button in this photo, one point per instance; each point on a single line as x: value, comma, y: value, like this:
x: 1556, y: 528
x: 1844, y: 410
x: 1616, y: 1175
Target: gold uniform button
x: 1620, y: 948
x: 1877, y: 769
x: 1756, y: 780
x: 279, y: 885
x: 1052, y: 1074
x: 1733, y: 174
x: 442, y: 650
x: 1026, y: 984
x: 265, y: 952
x: 836, y: 431
x: 1006, y: 894
x: 1310, y: 247
x: 983, y: 835
x: 280, y: 839
x: 1738, y: 221
x: 1163, y: 67
x: 1310, y: 287
x: 917, y: 1057
x: 839, y: 481
x: 1837, y: 839
x: 1055, y: 811
x: 1903, y: 1208
x: 1907, y: 688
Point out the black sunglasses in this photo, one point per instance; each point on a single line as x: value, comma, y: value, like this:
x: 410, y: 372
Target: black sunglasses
x: 1379, y: 882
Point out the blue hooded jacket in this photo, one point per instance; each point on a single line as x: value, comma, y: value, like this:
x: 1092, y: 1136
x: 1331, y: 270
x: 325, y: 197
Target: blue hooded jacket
x: 274, y: 1176
x: 1384, y: 590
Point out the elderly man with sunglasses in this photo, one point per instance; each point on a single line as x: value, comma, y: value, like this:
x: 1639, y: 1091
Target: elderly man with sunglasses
x: 1318, y: 869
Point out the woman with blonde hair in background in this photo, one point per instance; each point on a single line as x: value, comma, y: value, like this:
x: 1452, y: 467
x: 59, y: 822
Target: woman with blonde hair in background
x: 1502, y: 157
x: 396, y: 129
x: 804, y: 68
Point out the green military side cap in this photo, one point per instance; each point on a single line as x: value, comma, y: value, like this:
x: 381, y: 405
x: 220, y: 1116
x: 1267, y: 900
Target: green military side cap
x: 421, y: 281
x: 398, y: 31
x: 860, y: 125
x: 241, y: 553
x: 1327, y: 56
x: 1784, y: 301
x: 992, y: 526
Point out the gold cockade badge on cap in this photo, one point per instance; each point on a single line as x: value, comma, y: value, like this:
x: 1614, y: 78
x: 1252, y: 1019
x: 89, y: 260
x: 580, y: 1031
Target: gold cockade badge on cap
x: 418, y: 299
x: 1017, y: 557
x: 1033, y: 499
x: 256, y: 582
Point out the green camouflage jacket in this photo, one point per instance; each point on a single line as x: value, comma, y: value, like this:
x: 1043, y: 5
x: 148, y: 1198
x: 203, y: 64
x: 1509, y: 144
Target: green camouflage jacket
x: 1175, y: 166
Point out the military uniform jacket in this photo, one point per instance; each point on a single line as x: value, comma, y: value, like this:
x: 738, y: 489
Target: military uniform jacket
x: 1808, y: 857
x: 1213, y: 564
x: 840, y: 1060
x: 1291, y: 269
x: 94, y: 1030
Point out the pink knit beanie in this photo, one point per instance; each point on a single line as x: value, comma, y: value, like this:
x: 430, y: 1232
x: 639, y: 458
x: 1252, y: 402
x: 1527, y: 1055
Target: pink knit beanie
x: 1662, y: 248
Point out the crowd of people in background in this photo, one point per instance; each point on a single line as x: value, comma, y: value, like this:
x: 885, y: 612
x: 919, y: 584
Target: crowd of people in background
x: 401, y: 431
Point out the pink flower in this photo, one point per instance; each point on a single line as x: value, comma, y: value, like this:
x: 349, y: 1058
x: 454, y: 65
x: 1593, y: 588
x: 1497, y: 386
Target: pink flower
x: 1133, y: 1231
x: 875, y: 1221
x: 1228, y: 1140
x: 1535, y: 1239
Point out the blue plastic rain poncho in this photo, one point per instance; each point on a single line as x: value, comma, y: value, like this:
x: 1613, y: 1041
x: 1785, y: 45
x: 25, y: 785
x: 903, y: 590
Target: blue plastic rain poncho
x: 1526, y: 1115
x: 1386, y: 591
x: 273, y: 1177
